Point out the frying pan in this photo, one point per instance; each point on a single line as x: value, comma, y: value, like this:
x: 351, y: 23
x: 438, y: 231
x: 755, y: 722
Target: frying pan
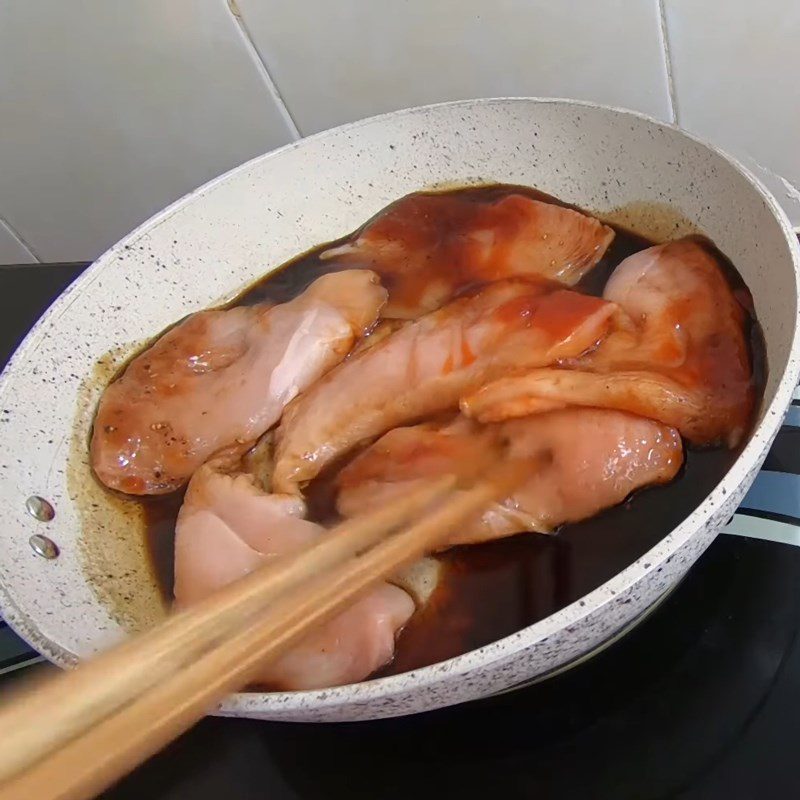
x: 91, y: 580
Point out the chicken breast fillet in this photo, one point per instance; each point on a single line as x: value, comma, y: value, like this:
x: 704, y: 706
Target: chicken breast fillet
x: 229, y: 526
x: 221, y: 378
x: 426, y: 366
x: 427, y: 247
x: 596, y: 459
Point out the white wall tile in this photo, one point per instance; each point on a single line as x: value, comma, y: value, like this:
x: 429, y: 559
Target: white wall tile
x: 735, y: 68
x: 339, y: 61
x: 12, y: 250
x: 111, y: 110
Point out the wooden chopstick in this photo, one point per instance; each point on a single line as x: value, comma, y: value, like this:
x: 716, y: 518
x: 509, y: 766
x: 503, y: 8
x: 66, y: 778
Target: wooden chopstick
x: 115, y: 718
x: 106, y: 682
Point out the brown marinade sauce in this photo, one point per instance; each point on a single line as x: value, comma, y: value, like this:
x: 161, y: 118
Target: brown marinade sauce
x: 495, y: 589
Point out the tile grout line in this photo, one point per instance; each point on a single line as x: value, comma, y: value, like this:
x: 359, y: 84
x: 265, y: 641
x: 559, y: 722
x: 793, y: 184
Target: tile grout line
x: 261, y: 66
x: 662, y: 26
x: 4, y: 223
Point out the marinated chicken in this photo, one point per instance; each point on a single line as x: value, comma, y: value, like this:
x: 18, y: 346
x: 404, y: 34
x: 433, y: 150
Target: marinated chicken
x: 426, y: 247
x: 596, y: 458
x: 446, y: 337
x: 678, y: 353
x: 221, y: 378
x: 426, y: 366
x: 229, y: 526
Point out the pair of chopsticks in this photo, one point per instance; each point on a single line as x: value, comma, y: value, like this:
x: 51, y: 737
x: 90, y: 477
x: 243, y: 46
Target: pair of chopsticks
x: 74, y: 735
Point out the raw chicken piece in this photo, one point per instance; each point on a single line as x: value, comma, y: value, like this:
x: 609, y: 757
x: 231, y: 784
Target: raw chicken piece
x: 598, y: 458
x: 426, y: 366
x: 347, y: 649
x: 678, y: 353
x: 685, y: 314
x: 383, y: 471
x: 221, y: 378
x: 427, y: 247
x: 228, y: 526
x: 647, y: 394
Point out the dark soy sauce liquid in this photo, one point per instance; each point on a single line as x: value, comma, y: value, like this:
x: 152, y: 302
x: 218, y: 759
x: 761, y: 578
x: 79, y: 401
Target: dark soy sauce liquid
x: 492, y: 590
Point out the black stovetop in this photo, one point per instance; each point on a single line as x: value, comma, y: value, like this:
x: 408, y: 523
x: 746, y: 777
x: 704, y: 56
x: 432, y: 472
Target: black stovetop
x: 701, y: 701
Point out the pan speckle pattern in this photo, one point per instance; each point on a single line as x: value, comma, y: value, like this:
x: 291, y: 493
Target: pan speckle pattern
x: 211, y: 244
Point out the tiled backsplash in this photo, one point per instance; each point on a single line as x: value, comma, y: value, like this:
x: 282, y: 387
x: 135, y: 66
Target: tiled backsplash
x: 354, y: 58
x: 112, y: 110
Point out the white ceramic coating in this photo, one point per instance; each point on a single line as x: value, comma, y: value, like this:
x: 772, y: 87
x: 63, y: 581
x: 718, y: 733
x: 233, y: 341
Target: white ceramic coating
x: 214, y: 242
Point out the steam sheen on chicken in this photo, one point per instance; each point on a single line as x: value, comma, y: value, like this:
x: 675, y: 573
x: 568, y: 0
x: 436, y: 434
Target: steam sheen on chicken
x: 596, y: 459
x: 426, y: 366
x: 228, y: 527
x: 678, y: 353
x: 426, y: 247
x: 221, y: 378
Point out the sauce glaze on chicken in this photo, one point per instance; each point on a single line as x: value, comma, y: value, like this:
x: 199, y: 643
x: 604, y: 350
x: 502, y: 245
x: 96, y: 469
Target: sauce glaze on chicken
x: 482, y: 320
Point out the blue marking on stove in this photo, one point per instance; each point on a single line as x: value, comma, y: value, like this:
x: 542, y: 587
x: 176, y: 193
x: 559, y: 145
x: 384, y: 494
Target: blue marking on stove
x: 778, y: 492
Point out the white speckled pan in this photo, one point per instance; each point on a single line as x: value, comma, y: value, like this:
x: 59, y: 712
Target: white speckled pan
x: 210, y: 245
